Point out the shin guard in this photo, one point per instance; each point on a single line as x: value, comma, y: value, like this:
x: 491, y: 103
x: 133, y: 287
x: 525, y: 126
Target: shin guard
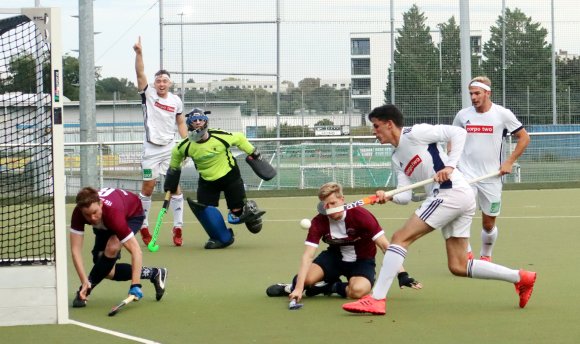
x: 212, y: 222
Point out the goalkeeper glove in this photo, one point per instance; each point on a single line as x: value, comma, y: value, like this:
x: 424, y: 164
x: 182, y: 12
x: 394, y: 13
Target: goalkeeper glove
x: 172, y: 180
x: 256, y: 155
x: 135, y: 290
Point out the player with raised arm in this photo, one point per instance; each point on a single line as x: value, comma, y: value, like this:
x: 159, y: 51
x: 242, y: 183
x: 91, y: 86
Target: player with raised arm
x: 487, y: 125
x: 352, y: 236
x: 449, y: 206
x: 210, y: 150
x: 115, y: 215
x: 162, y: 113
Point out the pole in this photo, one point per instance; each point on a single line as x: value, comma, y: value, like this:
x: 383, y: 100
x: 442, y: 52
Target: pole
x: 87, y: 106
x: 465, y: 52
x: 114, y: 113
x: 503, y: 66
x: 554, y: 100
x: 182, y: 67
x: 392, y: 53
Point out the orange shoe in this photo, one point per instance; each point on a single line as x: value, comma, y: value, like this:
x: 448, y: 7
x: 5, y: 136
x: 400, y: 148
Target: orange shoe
x: 486, y: 258
x: 145, y: 235
x: 367, y: 304
x: 469, y: 255
x: 525, y: 286
x: 177, y: 239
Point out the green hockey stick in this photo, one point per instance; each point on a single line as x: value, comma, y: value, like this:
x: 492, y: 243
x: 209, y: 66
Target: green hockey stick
x: 153, y: 247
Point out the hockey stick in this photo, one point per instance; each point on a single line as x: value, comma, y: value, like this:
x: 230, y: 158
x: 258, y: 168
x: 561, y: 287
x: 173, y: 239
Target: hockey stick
x: 152, y: 246
x: 123, y: 303
x: 372, y: 199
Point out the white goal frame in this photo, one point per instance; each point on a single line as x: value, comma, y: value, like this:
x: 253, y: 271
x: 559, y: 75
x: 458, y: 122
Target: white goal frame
x: 39, y: 294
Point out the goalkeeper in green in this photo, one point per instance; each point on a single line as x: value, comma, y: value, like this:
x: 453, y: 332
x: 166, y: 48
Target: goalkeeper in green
x: 218, y: 171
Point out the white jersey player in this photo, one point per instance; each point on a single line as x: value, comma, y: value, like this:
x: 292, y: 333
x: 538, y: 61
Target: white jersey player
x: 487, y: 125
x: 450, y: 206
x: 162, y: 114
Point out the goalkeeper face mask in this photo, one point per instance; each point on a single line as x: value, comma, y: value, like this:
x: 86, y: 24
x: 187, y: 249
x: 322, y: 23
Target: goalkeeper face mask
x: 197, y: 124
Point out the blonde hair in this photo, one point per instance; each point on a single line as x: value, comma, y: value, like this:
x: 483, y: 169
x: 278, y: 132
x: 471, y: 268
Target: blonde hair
x: 329, y: 189
x: 483, y: 79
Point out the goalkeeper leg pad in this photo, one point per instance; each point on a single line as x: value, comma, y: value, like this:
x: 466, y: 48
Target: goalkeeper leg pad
x: 212, y: 222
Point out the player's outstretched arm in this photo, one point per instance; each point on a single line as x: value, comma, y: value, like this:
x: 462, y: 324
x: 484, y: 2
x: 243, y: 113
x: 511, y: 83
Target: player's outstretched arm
x: 140, y: 66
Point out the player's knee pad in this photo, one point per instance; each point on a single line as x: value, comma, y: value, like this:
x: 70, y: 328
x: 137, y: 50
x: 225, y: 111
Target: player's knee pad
x: 254, y: 225
x: 212, y: 221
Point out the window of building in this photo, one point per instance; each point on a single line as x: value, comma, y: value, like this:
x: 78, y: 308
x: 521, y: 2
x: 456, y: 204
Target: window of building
x: 363, y: 105
x: 361, y: 87
x: 360, y: 46
x: 475, y: 44
x: 361, y: 66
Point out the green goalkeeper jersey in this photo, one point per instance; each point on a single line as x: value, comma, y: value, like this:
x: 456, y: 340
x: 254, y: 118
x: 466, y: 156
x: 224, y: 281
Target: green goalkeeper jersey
x: 213, y: 158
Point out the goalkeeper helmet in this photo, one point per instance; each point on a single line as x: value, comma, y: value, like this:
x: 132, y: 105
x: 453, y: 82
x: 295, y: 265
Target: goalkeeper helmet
x: 196, y: 133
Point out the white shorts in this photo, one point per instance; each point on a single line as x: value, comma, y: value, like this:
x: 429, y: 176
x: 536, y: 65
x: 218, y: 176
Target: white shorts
x: 155, y: 160
x: 451, y: 210
x: 488, y: 196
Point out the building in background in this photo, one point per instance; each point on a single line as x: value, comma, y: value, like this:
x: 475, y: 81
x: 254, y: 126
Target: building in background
x: 370, y: 59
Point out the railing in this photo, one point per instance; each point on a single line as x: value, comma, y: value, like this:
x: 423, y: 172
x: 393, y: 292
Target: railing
x: 303, y: 163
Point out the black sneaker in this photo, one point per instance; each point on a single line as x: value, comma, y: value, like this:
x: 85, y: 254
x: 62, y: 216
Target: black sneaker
x: 78, y: 302
x: 159, y: 282
x: 280, y: 289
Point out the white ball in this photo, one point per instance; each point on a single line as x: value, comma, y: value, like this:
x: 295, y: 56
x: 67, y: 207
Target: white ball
x: 305, y: 223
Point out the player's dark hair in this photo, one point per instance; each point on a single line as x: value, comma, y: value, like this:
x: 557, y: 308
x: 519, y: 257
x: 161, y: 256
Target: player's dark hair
x: 386, y: 113
x: 87, y: 196
x: 161, y: 72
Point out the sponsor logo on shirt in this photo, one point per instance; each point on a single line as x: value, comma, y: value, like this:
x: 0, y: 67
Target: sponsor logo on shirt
x: 413, y: 163
x: 479, y: 129
x: 165, y: 107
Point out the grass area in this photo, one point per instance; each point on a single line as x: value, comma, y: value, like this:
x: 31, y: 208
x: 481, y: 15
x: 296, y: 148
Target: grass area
x: 219, y: 296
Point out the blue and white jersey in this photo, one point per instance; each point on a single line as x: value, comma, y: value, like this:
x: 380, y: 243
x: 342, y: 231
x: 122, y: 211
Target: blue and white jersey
x: 418, y: 156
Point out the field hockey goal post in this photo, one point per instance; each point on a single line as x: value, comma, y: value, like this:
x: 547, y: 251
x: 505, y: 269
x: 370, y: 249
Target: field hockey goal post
x: 33, y: 263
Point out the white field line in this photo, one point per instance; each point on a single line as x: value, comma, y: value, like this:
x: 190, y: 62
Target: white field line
x: 112, y: 333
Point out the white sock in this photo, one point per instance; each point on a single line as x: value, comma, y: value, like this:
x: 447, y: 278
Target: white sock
x: 146, y: 203
x: 392, y: 262
x: 177, y: 207
x: 487, y: 241
x: 481, y: 269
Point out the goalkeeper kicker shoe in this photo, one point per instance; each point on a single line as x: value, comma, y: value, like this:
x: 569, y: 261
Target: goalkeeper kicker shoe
x: 145, y: 235
x: 367, y: 304
x: 158, y: 281
x: 525, y: 286
x: 280, y: 289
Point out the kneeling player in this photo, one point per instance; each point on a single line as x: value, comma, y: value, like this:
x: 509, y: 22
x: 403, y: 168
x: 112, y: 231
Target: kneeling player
x: 352, y: 237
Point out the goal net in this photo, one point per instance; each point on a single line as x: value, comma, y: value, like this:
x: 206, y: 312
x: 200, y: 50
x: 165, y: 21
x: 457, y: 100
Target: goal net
x: 31, y: 173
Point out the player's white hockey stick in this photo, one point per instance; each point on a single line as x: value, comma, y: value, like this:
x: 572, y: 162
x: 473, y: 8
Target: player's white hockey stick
x: 372, y: 199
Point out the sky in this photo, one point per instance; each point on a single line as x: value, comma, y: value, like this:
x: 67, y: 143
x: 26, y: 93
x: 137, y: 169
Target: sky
x: 315, y: 38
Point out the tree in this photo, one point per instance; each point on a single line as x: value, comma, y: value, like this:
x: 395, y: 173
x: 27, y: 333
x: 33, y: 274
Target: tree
x: 527, y: 62
x: 416, y: 68
x: 122, y: 87
x: 70, y: 79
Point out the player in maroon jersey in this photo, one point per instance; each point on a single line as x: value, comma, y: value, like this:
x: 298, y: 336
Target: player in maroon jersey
x: 116, y: 216
x: 352, y: 237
